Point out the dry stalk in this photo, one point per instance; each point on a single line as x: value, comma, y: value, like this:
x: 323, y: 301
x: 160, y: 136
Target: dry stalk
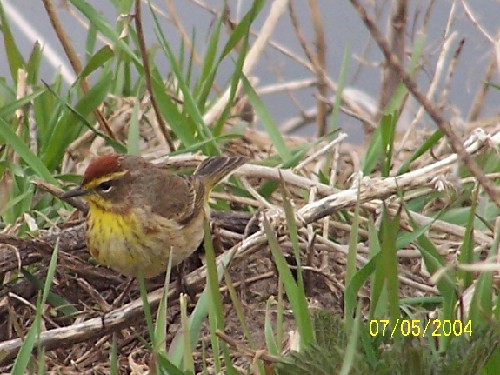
x: 440, y: 71
x: 432, y: 87
x: 147, y: 75
x: 363, y: 260
x: 255, y: 354
x: 253, y: 56
x: 478, y: 101
x: 178, y: 24
x: 320, y: 63
x: 475, y: 22
x: 323, y: 150
x: 451, y: 70
x: 74, y: 60
x: 286, y: 86
x: 363, y: 59
x: 318, y: 60
x: 381, y: 188
x: 455, y: 143
x: 397, y: 35
x: 353, y: 109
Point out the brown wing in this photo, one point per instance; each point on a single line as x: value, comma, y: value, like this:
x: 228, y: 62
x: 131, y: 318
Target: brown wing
x: 175, y: 197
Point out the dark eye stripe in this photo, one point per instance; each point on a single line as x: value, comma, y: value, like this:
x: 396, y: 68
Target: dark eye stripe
x: 105, y: 186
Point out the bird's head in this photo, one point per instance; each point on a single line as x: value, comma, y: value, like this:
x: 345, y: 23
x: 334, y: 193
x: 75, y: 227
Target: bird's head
x: 107, y: 182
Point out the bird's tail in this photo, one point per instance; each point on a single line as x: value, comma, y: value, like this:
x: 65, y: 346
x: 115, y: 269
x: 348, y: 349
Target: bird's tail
x: 216, y: 168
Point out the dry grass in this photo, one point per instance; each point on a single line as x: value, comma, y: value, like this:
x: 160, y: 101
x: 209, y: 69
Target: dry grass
x: 326, y: 184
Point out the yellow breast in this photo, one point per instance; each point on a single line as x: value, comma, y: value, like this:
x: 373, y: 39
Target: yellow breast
x: 129, y: 243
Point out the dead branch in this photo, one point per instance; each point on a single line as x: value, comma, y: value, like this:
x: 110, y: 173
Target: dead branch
x: 455, y: 143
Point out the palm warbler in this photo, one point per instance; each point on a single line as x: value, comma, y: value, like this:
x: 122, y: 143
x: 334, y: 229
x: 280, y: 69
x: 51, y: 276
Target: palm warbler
x: 139, y: 212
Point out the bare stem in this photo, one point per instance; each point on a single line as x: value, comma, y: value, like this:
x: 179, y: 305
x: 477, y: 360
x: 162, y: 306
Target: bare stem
x: 74, y: 60
x: 455, y: 143
x: 147, y: 74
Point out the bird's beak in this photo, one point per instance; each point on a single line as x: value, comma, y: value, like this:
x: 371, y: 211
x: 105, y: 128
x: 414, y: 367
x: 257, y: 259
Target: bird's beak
x: 77, y: 192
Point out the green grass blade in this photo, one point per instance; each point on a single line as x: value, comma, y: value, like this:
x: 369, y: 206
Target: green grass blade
x: 215, y: 311
x: 20, y: 147
x: 147, y: 309
x: 100, y: 58
x: 388, y: 130
x: 378, y: 294
x: 481, y: 308
x: 235, y: 81
x: 377, y: 149
x: 90, y: 42
x: 428, y: 144
x: 242, y: 28
x: 466, y: 250
x: 69, y: 127
x: 167, y: 367
x: 388, y: 260
x: 272, y: 348
x: 190, y: 106
x: 381, y: 145
x: 340, y: 87
x: 106, y: 29
x: 8, y: 110
x: 14, y: 56
x: 55, y: 300
x: 23, y: 357
x: 295, y: 294
x: 209, y: 68
x: 268, y: 123
x: 113, y: 356
x: 239, y: 309
x: 188, y: 359
x: 196, y: 320
x: 133, y: 138
x: 350, y: 304
x: 293, y: 232
x: 161, y: 315
x: 183, y: 128
x: 33, y: 65
x: 350, y: 353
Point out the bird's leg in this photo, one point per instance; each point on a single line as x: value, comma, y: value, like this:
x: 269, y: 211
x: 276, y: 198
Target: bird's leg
x: 182, y: 286
x: 119, y: 300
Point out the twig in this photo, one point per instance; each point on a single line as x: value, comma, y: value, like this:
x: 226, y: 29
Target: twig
x: 74, y: 60
x: 147, y: 75
x: 326, y: 148
x: 285, y: 86
x: 275, y: 13
x: 432, y: 88
x: 254, y: 354
x: 354, y: 108
x: 382, y: 188
x: 317, y: 61
x: 443, y: 125
x: 451, y: 70
x: 472, y: 17
x: 397, y: 35
x: 478, y: 101
x: 57, y: 192
x: 320, y: 64
x: 178, y: 24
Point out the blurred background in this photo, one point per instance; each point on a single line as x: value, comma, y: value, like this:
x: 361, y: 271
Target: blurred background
x: 343, y: 31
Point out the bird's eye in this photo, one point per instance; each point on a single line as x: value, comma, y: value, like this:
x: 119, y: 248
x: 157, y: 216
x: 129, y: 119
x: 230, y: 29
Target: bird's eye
x: 105, y: 186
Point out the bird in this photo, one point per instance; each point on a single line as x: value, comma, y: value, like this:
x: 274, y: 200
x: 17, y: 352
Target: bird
x: 140, y: 214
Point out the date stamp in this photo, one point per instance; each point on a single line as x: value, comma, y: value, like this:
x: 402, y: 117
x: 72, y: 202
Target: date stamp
x: 417, y: 327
